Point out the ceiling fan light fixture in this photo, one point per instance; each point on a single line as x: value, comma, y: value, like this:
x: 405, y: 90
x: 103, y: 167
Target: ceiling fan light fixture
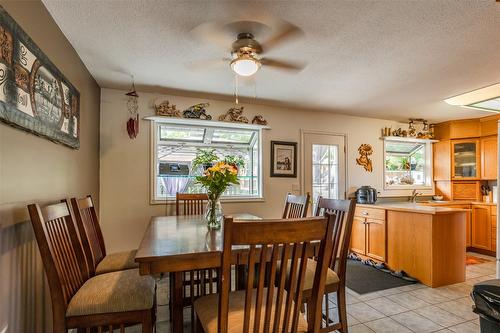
x: 245, y: 65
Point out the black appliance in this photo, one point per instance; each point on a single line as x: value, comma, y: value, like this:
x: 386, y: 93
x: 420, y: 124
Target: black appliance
x: 486, y: 296
x: 366, y: 195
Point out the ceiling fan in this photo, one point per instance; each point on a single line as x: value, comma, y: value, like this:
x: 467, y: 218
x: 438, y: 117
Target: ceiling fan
x: 246, y: 52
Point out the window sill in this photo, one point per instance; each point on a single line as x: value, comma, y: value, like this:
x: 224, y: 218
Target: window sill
x: 235, y: 200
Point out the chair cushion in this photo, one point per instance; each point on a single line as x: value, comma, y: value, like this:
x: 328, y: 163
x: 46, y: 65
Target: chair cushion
x: 113, y: 292
x: 331, y: 277
x: 117, y: 262
x: 207, y: 308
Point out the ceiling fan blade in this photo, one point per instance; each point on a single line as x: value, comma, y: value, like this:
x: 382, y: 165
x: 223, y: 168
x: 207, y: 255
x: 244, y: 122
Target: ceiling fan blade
x: 214, y: 33
x: 283, y: 64
x: 285, y: 31
x: 205, y: 64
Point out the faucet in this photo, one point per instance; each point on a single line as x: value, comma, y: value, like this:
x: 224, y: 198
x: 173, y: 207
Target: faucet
x: 414, y: 195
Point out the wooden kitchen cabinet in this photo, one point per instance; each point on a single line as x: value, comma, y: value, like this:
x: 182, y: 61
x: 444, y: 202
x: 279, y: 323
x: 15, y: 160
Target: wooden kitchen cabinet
x: 375, y: 239
x: 368, y: 235
x: 468, y: 223
x: 481, y: 227
x: 358, y: 236
x: 465, y: 159
x: 489, y: 157
x: 466, y: 190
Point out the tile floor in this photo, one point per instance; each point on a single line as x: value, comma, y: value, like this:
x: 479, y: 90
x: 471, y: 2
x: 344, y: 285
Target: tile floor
x: 413, y: 308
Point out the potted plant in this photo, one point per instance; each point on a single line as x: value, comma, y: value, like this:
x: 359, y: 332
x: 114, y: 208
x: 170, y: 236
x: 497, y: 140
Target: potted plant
x: 236, y: 161
x: 216, y: 180
x: 205, y: 157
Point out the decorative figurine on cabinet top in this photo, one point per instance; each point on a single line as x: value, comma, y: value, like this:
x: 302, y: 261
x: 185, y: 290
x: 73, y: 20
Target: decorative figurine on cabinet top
x: 197, y: 111
x: 234, y: 115
x: 166, y: 109
x: 365, y: 150
x: 259, y: 120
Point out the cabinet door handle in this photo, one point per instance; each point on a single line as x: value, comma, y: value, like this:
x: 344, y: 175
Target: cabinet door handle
x: 364, y: 213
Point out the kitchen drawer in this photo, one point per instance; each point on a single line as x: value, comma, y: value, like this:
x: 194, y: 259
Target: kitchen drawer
x: 374, y: 213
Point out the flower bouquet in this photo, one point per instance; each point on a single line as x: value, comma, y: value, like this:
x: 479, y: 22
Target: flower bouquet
x: 216, y: 180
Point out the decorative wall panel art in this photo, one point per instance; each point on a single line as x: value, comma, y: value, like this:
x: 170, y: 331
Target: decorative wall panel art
x: 34, y: 95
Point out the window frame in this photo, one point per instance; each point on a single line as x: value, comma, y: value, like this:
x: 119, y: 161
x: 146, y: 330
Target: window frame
x: 208, y: 125
x: 428, y: 169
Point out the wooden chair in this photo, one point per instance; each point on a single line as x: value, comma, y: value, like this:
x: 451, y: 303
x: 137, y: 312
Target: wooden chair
x: 296, y: 206
x: 191, y: 203
x: 343, y: 210
x: 274, y: 305
x: 196, y: 283
x: 106, y: 301
x: 98, y: 260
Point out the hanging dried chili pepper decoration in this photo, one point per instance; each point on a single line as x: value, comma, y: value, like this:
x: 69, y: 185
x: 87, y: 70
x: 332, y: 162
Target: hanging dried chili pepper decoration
x: 133, y: 109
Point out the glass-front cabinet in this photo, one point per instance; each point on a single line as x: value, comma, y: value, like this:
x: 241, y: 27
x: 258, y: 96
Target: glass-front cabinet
x: 466, y: 157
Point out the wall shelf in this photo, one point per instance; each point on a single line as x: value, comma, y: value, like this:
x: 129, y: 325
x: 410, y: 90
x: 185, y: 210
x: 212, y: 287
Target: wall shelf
x: 201, y: 122
x: 407, y: 139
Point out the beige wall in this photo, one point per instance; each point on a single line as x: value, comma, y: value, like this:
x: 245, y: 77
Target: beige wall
x: 125, y: 164
x: 33, y: 169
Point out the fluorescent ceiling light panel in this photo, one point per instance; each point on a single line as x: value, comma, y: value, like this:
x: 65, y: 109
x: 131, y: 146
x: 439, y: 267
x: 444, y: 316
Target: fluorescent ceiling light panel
x: 487, y: 99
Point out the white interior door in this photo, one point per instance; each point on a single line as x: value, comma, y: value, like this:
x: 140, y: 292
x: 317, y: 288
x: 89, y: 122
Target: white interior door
x: 323, y: 165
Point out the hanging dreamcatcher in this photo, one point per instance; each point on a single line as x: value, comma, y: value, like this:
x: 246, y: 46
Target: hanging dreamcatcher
x: 133, y: 109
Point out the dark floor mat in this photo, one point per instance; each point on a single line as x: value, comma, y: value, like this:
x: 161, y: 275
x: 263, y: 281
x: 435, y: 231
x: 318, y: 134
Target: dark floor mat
x: 365, y: 279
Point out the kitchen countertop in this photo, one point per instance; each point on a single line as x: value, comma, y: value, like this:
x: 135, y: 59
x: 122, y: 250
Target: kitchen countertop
x: 413, y: 208
x: 456, y: 202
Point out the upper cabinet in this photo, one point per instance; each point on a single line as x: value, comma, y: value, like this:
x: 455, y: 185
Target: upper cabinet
x: 465, y: 159
x: 458, y: 129
x: 489, y: 157
x: 465, y: 155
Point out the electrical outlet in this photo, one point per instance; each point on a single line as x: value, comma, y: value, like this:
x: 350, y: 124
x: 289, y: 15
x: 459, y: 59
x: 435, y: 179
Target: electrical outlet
x: 295, y: 188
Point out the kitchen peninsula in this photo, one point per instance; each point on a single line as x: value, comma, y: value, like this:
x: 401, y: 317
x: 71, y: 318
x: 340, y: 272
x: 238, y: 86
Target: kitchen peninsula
x: 426, y: 242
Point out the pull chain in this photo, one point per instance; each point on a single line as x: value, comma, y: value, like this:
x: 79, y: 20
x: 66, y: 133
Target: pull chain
x: 236, y: 88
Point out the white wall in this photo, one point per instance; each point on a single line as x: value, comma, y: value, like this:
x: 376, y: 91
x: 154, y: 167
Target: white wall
x: 125, y: 164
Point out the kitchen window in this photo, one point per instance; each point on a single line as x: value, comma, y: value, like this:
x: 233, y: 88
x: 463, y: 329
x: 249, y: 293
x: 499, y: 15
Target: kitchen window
x: 408, y: 163
x: 175, y: 145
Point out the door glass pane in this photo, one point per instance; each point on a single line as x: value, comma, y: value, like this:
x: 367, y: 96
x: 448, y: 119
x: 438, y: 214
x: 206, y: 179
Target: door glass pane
x: 465, y: 159
x: 325, y: 171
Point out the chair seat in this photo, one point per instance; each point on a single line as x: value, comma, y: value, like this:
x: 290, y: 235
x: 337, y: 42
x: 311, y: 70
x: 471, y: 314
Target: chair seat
x: 207, y: 307
x: 332, y: 278
x: 118, y: 261
x: 113, y: 292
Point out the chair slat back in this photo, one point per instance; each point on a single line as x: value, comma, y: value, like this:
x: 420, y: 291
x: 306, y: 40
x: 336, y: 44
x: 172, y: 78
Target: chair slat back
x: 190, y: 203
x: 274, y: 304
x: 296, y: 206
x: 61, y: 251
x: 343, y: 210
x: 90, y: 231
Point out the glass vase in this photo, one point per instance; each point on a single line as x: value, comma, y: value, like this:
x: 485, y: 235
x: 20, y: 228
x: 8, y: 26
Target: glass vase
x: 213, y: 214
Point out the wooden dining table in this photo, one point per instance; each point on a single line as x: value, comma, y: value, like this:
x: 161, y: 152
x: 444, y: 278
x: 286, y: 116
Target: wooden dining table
x: 178, y: 244
x: 175, y: 244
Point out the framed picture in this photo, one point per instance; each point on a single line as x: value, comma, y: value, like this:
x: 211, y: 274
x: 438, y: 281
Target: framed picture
x: 283, y: 159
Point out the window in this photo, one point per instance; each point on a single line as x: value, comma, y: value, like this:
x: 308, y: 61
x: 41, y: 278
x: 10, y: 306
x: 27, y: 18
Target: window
x: 325, y: 171
x: 176, y: 145
x: 408, y: 164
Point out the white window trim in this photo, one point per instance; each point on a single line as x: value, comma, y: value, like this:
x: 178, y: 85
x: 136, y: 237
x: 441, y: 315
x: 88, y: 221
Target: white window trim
x: 429, y: 177
x: 156, y: 121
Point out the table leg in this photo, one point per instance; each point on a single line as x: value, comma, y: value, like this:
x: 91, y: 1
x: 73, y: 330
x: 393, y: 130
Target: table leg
x: 177, y: 320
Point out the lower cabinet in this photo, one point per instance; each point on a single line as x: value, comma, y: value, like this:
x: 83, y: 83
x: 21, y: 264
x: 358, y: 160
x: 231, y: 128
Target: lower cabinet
x: 481, y: 233
x: 358, y: 236
x: 375, y: 240
x: 368, y: 236
x: 468, y: 223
